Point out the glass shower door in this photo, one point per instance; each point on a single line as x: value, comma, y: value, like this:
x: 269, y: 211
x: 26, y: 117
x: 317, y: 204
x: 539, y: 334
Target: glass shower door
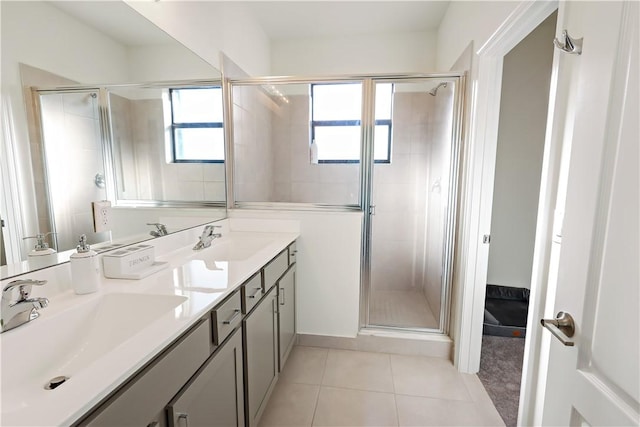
x: 411, y: 220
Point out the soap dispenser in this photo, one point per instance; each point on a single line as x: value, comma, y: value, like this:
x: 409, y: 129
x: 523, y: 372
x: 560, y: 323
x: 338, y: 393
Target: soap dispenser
x: 41, y: 255
x: 85, y: 268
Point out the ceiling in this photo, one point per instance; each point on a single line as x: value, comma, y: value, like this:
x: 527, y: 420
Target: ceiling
x: 116, y: 20
x: 309, y: 19
x: 279, y: 19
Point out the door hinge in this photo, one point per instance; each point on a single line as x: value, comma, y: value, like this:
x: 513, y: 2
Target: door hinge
x: 486, y: 239
x: 372, y: 210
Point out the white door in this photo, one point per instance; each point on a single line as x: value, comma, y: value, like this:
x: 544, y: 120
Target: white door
x: 596, y: 382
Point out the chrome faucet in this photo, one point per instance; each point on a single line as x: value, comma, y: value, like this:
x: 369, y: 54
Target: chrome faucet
x: 161, y: 229
x: 207, y: 237
x: 23, y: 310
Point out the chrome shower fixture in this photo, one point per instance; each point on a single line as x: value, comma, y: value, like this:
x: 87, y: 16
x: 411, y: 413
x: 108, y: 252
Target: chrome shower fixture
x: 434, y: 91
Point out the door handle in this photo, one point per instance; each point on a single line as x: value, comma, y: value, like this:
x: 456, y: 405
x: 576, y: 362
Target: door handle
x: 562, y: 327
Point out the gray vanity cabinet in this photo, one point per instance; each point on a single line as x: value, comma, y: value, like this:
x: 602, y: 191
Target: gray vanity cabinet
x: 214, y: 396
x: 261, y: 355
x: 286, y: 314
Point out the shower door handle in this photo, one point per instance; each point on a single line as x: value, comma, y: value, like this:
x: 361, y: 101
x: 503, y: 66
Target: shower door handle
x: 562, y: 327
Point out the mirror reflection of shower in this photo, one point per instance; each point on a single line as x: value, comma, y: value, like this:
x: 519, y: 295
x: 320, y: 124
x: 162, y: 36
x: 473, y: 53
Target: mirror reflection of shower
x: 434, y: 91
x: 72, y: 157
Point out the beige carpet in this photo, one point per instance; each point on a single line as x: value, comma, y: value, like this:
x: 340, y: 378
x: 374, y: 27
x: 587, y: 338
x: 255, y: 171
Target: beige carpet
x: 406, y: 309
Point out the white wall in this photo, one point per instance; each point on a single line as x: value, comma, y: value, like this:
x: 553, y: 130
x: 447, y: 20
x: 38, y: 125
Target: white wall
x: 467, y: 21
x: 523, y: 117
x: 167, y: 62
x: 209, y: 28
x: 373, y: 53
x: 328, y: 270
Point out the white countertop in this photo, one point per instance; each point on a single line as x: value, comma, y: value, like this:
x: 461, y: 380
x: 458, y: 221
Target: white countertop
x: 203, y: 284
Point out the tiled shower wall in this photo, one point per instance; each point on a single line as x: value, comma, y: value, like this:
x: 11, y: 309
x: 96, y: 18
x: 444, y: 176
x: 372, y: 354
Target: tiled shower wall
x: 298, y: 180
x: 253, y: 167
x: 438, y: 189
x: 143, y: 172
x: 400, y: 198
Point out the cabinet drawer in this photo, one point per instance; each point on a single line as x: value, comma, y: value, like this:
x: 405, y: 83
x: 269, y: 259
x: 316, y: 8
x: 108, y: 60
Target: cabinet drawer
x: 251, y: 293
x: 226, y: 318
x: 275, y: 269
x: 293, y: 251
x: 140, y: 400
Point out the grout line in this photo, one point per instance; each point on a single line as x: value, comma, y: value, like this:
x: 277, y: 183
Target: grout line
x: 315, y: 407
x: 324, y: 367
x: 324, y: 370
x: 395, y: 401
x: 393, y: 383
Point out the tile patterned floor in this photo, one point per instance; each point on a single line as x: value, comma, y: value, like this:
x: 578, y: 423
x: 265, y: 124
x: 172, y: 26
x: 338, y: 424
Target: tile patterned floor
x: 404, y: 309
x: 328, y: 387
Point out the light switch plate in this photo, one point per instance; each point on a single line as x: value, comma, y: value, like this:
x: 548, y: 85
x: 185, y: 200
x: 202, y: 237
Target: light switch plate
x: 101, y: 216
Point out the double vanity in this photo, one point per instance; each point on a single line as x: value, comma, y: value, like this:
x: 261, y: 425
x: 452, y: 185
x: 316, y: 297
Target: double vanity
x: 198, y: 343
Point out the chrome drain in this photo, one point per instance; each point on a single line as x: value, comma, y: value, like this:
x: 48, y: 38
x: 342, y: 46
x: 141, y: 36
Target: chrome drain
x: 55, y: 382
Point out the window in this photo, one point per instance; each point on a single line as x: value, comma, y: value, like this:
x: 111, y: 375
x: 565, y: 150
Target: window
x: 196, y: 125
x: 335, y: 122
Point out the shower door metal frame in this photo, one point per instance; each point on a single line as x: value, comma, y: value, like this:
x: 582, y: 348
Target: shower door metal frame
x: 367, y: 192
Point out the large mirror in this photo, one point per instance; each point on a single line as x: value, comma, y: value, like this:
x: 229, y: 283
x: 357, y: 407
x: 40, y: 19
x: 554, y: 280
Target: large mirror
x: 108, y: 45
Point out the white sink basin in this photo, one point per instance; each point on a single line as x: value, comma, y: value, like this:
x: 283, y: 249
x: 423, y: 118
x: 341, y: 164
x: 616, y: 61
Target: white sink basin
x: 66, y: 342
x: 235, y: 249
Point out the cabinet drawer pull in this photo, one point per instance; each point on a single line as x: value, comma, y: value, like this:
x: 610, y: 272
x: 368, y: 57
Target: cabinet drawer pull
x: 236, y: 313
x: 184, y: 417
x: 258, y: 291
x: 283, y: 296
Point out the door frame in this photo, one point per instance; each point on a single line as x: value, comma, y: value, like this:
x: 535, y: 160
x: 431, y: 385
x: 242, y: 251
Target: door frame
x: 477, y: 198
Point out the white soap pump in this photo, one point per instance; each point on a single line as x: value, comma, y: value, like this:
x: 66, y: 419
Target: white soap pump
x: 41, y: 255
x: 85, y: 268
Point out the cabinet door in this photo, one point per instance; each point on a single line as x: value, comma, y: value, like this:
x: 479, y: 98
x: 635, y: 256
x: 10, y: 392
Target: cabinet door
x: 286, y: 314
x: 215, y: 395
x: 261, y: 355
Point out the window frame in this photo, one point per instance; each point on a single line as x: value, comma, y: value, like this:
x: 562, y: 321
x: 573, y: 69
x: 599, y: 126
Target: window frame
x: 358, y: 122
x: 196, y: 125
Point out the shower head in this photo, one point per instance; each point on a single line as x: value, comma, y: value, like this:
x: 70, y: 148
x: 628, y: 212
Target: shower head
x: 434, y: 91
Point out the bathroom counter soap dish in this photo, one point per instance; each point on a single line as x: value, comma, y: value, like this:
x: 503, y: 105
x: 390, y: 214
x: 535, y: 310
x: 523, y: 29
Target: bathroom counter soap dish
x: 132, y: 262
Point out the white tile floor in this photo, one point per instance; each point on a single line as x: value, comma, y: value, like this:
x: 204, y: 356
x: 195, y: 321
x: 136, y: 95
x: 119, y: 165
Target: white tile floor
x: 328, y: 387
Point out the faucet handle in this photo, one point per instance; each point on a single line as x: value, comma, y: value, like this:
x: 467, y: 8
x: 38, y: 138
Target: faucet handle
x: 24, y: 285
x: 208, y: 229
